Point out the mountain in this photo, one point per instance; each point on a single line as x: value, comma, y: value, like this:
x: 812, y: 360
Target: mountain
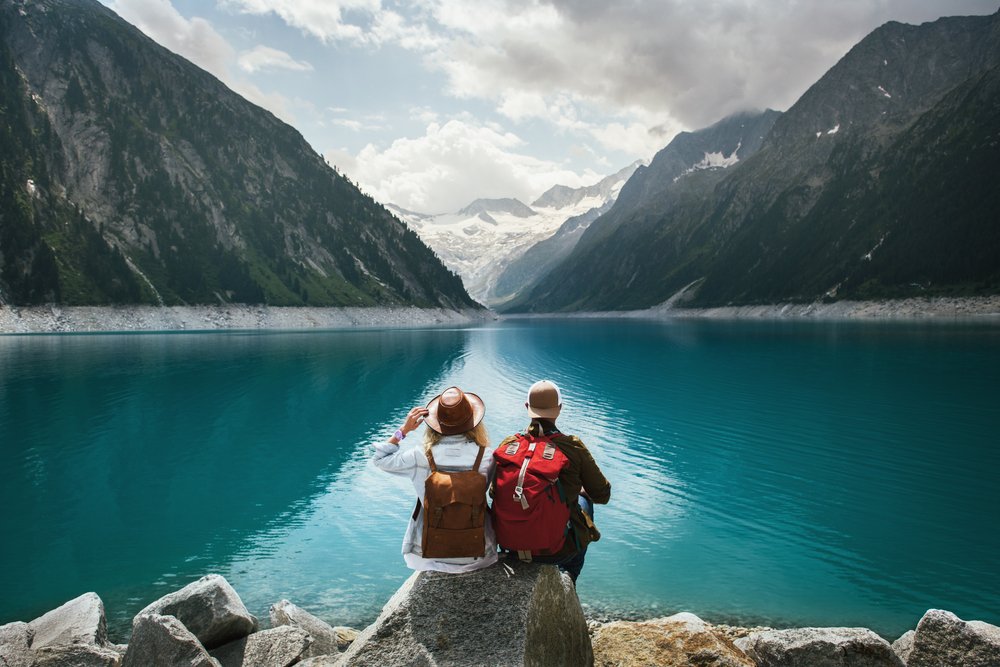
x: 878, y: 182
x: 130, y: 175
x: 561, y: 196
x: 479, y: 241
x: 705, y: 152
x: 512, y: 207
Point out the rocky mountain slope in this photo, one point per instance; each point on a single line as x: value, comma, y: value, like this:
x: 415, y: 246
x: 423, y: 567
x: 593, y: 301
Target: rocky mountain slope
x: 130, y: 175
x: 699, y: 158
x: 482, y: 239
x: 879, y: 182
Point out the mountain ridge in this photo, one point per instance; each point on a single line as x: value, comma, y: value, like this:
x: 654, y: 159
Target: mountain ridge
x: 788, y: 224
x: 177, y: 190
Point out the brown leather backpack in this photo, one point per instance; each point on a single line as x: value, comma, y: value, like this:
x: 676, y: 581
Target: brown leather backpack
x: 454, y: 512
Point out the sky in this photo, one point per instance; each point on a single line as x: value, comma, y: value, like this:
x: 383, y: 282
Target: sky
x: 431, y: 104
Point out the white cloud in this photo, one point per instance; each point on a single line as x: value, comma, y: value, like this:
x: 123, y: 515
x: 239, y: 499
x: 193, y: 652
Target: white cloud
x: 264, y: 57
x: 452, y: 164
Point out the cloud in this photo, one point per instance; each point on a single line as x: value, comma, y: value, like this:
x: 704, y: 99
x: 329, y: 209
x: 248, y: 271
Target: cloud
x: 262, y: 58
x: 364, y: 22
x: 451, y: 165
x: 693, y: 62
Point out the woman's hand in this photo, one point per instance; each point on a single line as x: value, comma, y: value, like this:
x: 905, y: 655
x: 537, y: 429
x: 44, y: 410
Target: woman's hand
x: 414, y: 419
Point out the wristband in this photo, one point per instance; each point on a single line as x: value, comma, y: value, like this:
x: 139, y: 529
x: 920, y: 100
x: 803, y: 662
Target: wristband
x: 399, y: 435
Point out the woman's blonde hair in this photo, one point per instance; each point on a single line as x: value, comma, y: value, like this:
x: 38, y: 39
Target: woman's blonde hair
x: 477, y: 435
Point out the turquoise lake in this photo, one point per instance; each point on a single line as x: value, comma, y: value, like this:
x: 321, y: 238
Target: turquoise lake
x: 776, y: 473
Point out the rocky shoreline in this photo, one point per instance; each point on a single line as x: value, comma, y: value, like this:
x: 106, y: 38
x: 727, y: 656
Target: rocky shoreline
x: 931, y: 308
x: 508, y: 614
x: 83, y: 319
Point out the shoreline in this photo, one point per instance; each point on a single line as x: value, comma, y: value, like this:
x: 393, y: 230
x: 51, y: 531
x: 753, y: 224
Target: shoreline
x: 936, y: 309
x: 52, y: 318
x: 231, y: 317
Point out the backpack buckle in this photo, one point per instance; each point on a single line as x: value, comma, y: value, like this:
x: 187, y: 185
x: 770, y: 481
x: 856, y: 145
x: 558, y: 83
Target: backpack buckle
x: 550, y: 452
x: 518, y: 492
x: 512, y: 448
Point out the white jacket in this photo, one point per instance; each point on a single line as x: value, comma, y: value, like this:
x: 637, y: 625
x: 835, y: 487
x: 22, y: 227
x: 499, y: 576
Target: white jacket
x: 452, y: 454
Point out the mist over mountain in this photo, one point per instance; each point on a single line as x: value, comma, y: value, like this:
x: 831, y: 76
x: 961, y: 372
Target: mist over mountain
x: 130, y: 175
x: 879, y: 182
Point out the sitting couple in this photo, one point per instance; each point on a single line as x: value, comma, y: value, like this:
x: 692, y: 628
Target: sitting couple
x: 543, y: 485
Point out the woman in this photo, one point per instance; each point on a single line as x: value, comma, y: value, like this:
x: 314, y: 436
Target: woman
x: 455, y: 441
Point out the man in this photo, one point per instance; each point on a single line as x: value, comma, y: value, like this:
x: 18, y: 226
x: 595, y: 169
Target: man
x: 580, y: 484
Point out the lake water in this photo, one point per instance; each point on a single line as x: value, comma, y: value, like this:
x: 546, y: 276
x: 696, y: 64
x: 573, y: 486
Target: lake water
x: 790, y: 474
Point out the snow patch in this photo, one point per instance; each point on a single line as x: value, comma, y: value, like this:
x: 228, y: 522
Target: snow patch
x: 834, y: 130
x: 868, y: 255
x: 885, y: 62
x: 31, y: 187
x: 714, y: 160
x: 884, y: 92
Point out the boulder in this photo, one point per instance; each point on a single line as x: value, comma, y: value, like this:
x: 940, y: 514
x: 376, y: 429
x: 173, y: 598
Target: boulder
x: 325, y: 638
x: 15, y: 644
x: 528, y: 614
x: 163, y: 640
x: 345, y: 636
x: 76, y: 655
x: 277, y: 647
x: 944, y: 639
x: 903, y: 646
x: 79, y: 621
x: 210, y: 609
x: 681, y: 639
x: 323, y: 661
x: 819, y: 647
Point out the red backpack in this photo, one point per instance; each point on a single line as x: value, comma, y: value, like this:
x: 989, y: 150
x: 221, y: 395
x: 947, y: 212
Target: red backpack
x: 530, y: 512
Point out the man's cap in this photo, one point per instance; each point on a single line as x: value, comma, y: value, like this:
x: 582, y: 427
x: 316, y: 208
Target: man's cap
x: 544, y: 400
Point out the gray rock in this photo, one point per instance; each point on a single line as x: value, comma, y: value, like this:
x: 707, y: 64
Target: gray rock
x: 210, y: 609
x: 79, y: 621
x: 345, y: 636
x: 944, y: 639
x: 903, y: 646
x: 163, y: 640
x: 15, y: 644
x: 529, y: 617
x: 76, y: 655
x: 678, y: 640
x: 323, y: 661
x: 326, y: 640
x: 819, y: 647
x: 277, y: 647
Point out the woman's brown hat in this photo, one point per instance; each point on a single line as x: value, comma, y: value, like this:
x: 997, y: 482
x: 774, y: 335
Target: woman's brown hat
x: 454, y: 412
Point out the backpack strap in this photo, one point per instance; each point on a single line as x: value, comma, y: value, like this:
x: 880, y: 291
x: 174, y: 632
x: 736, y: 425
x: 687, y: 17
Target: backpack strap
x: 479, y: 458
x: 519, y: 489
x: 430, y: 460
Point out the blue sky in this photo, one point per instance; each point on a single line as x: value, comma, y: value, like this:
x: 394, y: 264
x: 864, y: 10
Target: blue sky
x: 430, y: 104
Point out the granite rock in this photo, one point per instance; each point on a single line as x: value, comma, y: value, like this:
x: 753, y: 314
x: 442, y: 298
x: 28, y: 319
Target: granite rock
x: 903, y: 646
x: 163, y: 640
x: 942, y: 638
x: 681, y: 639
x: 527, y: 615
x: 15, y: 644
x: 819, y: 647
x: 210, y: 609
x: 76, y: 655
x: 325, y: 638
x: 79, y: 621
x: 277, y: 647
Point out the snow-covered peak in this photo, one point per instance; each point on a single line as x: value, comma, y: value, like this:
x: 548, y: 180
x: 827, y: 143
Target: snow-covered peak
x: 510, y: 206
